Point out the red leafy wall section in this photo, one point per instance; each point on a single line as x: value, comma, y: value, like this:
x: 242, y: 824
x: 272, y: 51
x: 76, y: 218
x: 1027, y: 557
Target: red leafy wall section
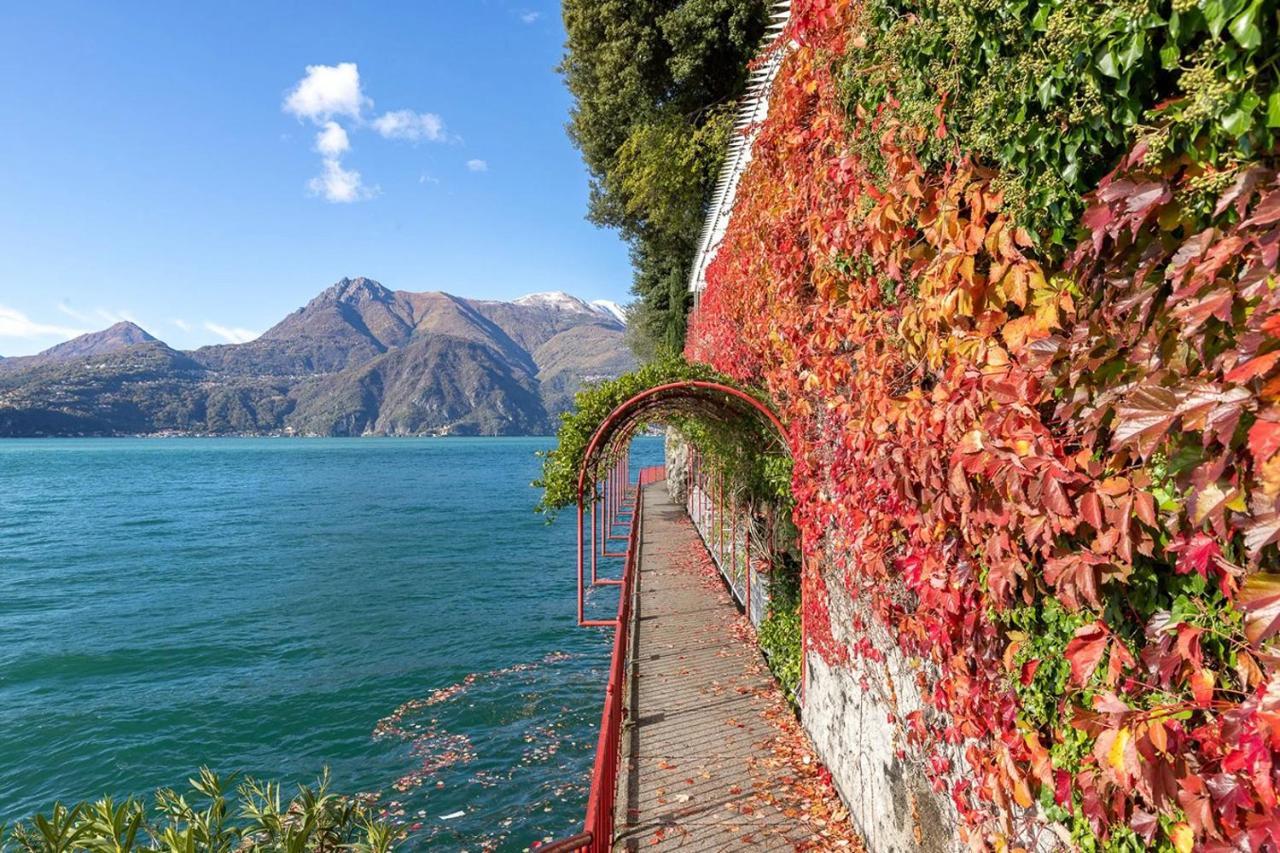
x: 978, y: 436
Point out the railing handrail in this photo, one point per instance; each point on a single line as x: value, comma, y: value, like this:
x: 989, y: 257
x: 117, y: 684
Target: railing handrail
x: 604, y: 776
x: 597, y: 834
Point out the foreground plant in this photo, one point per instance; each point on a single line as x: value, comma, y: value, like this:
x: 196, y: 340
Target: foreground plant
x: 210, y: 817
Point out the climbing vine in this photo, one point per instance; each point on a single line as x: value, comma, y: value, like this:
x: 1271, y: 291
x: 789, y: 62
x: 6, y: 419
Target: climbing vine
x: 731, y: 442
x: 1009, y: 274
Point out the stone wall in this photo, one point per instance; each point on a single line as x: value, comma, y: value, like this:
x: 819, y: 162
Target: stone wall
x: 848, y: 709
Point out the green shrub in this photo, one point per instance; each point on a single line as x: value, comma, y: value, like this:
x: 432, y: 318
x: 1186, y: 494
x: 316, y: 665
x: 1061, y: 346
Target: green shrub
x: 209, y: 817
x: 733, y: 444
x: 779, y: 634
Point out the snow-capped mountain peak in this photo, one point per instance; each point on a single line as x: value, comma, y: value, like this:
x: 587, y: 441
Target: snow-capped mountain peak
x: 560, y: 301
x: 608, y: 306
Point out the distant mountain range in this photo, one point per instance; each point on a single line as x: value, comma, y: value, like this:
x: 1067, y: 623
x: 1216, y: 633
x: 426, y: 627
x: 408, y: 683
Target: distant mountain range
x: 359, y: 359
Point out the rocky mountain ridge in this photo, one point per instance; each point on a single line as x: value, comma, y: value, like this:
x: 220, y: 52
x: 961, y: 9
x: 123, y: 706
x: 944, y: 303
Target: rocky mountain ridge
x: 357, y: 359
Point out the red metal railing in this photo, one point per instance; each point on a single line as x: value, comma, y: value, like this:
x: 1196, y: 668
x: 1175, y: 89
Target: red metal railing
x: 597, y: 834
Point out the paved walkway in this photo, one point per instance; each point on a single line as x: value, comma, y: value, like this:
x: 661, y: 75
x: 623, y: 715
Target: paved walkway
x: 691, y: 776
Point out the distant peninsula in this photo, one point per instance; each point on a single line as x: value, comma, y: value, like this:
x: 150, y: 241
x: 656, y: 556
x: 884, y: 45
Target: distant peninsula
x: 359, y: 359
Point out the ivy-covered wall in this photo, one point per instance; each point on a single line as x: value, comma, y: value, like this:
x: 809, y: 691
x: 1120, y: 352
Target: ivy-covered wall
x: 1009, y: 273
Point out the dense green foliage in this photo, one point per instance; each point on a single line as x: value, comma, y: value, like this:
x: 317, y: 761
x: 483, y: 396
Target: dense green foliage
x: 209, y: 818
x: 653, y: 83
x: 739, y: 438
x: 1054, y: 92
x: 779, y: 634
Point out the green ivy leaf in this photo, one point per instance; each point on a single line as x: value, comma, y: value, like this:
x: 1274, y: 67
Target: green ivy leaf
x: 1273, y: 109
x: 1244, y: 29
x: 1169, y: 56
x: 1237, y: 122
x: 1047, y: 91
x: 1215, y: 16
x: 1133, y: 52
x: 1107, y: 62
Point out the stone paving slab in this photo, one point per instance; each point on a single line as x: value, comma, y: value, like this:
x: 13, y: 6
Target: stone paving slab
x: 695, y: 706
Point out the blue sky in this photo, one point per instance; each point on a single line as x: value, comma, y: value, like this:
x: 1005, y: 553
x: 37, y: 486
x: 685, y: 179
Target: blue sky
x: 192, y: 167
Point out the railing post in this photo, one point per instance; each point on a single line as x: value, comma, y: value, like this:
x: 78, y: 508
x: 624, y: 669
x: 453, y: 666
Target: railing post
x: 579, y: 560
x: 747, y: 549
x: 733, y: 547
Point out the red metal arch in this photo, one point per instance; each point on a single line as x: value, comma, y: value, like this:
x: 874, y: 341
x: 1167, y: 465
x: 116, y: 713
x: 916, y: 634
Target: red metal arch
x: 688, y: 396
x: 687, y: 391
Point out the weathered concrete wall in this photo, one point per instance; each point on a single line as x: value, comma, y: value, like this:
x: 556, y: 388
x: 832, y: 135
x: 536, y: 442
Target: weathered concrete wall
x: 847, y: 712
x: 854, y: 711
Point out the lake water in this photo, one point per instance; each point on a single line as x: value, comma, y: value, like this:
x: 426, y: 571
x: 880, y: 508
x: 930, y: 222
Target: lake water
x: 262, y: 604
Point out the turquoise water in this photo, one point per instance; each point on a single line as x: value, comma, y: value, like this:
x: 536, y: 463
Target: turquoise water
x: 261, y: 604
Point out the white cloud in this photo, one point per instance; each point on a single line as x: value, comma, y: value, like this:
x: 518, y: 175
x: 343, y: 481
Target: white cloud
x: 407, y: 124
x: 530, y: 17
x: 113, y: 317
x: 424, y: 178
x: 328, y: 91
x: 99, y: 316
x: 232, y: 334
x: 331, y: 92
x: 339, y: 185
x: 477, y: 166
x: 74, y: 314
x: 181, y: 324
x: 332, y: 141
x: 15, y: 324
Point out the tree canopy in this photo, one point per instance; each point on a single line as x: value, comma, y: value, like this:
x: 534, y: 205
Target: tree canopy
x: 654, y: 83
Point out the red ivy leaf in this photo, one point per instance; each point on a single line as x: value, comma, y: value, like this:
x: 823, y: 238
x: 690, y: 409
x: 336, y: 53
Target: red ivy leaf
x: 1253, y: 368
x: 1259, y: 598
x: 1202, y: 687
x: 1029, y: 671
x: 1084, y: 652
x: 1264, y: 440
x: 1196, y: 554
x: 1144, y: 417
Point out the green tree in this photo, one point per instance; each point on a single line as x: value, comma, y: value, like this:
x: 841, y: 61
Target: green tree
x: 654, y: 82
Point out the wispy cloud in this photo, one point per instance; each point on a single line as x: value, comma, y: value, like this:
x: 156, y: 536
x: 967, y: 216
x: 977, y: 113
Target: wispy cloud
x: 15, y: 324
x: 74, y: 314
x: 530, y: 17
x: 477, y: 166
x: 232, y: 334
x: 181, y: 324
x: 406, y: 124
x: 98, y: 316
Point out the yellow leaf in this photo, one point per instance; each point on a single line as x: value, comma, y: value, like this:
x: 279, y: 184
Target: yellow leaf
x: 1022, y: 794
x: 1210, y: 497
x: 1184, y: 841
x: 1115, y: 755
x: 1270, y: 478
